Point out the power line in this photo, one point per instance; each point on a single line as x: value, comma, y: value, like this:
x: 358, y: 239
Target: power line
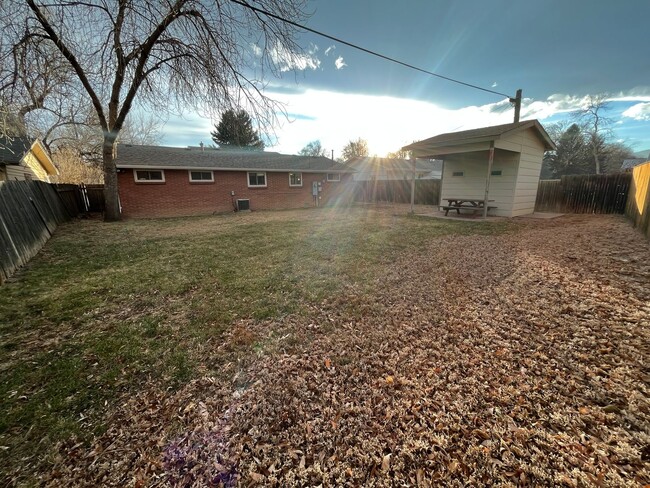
x: 374, y: 53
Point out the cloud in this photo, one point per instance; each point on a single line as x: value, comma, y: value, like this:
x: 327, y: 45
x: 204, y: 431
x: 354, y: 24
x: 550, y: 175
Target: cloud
x: 329, y: 49
x: 640, y: 111
x: 555, y: 104
x: 339, y: 63
x: 257, y: 51
x: 388, y: 123
x: 289, y: 61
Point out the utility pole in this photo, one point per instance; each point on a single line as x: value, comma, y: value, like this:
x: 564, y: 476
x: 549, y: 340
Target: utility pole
x: 517, y: 102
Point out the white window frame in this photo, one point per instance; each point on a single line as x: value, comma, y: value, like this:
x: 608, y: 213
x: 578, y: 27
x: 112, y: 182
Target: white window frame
x: 189, y: 173
x: 336, y: 177
x: 295, y: 173
x: 138, y: 180
x: 248, y: 179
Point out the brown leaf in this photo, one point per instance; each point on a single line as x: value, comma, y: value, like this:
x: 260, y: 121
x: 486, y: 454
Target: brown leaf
x: 419, y: 476
x: 257, y: 477
x: 385, y: 463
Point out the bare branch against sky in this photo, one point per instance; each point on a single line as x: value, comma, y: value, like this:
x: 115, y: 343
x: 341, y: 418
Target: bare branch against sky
x: 198, y: 55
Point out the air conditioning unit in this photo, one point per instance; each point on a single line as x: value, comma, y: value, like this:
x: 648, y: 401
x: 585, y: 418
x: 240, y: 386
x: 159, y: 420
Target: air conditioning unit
x: 243, y: 205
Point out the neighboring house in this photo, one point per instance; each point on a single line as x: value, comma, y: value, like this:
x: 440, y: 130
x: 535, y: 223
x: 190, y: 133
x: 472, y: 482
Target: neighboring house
x: 518, y: 152
x: 629, y: 164
x: 157, y: 181
x: 387, y: 169
x: 22, y: 158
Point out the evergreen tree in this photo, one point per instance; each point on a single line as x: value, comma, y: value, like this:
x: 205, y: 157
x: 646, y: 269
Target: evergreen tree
x: 575, y: 153
x: 235, y: 129
x: 571, y: 156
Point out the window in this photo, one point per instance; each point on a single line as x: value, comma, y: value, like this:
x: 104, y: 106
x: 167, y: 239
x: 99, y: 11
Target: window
x: 333, y: 177
x: 458, y: 173
x: 149, y: 176
x: 496, y: 172
x: 256, y: 179
x: 201, y: 176
x: 295, y: 179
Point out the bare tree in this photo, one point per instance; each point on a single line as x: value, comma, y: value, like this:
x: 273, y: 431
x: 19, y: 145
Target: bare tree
x: 595, y: 125
x: 399, y: 154
x: 167, y: 55
x: 75, y: 169
x: 36, y: 93
x: 313, y: 148
x: 140, y: 128
x: 354, y: 149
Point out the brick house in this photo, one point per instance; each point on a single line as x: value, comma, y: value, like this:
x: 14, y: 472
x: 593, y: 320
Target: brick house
x: 158, y: 181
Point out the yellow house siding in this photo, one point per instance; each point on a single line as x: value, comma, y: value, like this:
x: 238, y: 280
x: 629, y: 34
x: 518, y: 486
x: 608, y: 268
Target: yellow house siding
x: 17, y: 172
x: 31, y: 161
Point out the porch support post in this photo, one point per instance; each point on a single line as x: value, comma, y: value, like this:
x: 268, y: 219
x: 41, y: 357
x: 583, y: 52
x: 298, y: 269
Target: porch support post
x: 413, y: 183
x: 487, y: 180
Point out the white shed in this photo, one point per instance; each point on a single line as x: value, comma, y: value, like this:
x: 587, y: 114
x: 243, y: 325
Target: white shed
x: 499, y: 164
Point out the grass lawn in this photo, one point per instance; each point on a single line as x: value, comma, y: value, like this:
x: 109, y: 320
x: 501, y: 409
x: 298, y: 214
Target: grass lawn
x: 107, y: 310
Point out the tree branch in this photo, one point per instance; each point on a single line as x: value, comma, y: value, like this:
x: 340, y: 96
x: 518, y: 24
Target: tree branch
x: 54, y: 37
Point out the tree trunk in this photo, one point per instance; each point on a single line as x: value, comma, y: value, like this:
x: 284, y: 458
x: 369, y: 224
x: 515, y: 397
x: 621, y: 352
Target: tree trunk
x: 112, y: 203
x: 596, y: 160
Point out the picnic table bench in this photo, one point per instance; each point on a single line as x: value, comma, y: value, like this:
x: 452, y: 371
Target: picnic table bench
x: 459, y: 204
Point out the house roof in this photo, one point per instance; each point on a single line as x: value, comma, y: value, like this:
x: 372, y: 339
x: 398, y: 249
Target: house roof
x: 632, y: 162
x: 482, y: 134
x: 13, y: 149
x: 162, y: 157
x: 374, y: 164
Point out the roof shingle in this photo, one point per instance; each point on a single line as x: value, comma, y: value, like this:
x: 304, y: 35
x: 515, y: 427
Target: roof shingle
x: 13, y: 149
x: 481, y: 134
x: 132, y: 156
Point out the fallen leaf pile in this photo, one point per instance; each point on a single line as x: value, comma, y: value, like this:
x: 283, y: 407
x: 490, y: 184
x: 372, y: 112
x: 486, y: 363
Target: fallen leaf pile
x: 516, y: 359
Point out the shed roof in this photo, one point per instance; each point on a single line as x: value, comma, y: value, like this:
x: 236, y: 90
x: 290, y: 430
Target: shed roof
x: 162, y: 157
x: 13, y: 149
x: 482, y: 134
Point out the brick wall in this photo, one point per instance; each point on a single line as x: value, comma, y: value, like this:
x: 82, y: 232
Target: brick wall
x: 177, y: 196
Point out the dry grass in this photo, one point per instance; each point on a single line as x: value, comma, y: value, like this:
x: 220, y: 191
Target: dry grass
x: 363, y: 349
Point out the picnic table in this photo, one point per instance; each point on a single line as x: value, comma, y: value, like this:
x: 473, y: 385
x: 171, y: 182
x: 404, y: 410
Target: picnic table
x: 459, y: 204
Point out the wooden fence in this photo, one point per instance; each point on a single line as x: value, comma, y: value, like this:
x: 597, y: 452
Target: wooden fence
x: 638, y: 202
x: 71, y: 198
x: 584, y: 194
x: 29, y: 213
x: 95, y: 197
x: 427, y: 192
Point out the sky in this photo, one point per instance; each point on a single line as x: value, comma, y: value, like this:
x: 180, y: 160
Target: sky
x: 558, y: 52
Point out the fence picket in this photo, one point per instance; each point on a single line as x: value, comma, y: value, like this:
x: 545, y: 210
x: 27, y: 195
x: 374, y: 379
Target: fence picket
x: 29, y: 213
x: 584, y: 194
x: 427, y: 192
